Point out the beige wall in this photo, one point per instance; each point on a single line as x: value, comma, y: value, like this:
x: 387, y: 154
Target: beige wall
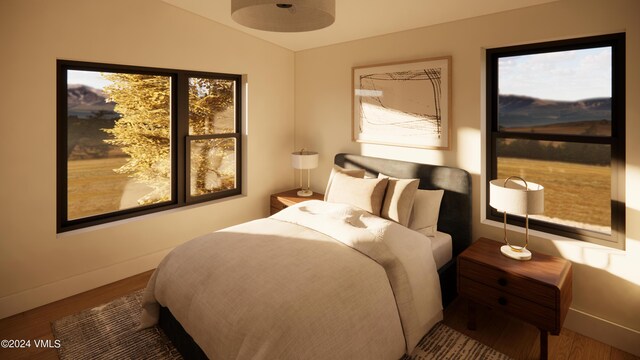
x: 606, y: 302
x: 36, y: 266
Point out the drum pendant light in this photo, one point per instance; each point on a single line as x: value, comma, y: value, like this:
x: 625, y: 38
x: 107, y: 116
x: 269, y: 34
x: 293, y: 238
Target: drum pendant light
x: 284, y: 15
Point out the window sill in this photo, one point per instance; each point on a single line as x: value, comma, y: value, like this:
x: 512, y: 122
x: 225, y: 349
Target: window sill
x: 571, y: 249
x: 144, y: 217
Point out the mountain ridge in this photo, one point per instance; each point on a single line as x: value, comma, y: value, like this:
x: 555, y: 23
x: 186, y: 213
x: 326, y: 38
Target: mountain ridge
x: 86, y: 102
x: 517, y: 111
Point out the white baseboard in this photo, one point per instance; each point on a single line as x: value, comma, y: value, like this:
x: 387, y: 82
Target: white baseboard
x: 618, y: 336
x: 45, y: 294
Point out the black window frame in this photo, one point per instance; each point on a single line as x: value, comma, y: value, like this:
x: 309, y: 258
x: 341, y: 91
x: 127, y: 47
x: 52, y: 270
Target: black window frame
x: 616, y: 140
x: 179, y: 141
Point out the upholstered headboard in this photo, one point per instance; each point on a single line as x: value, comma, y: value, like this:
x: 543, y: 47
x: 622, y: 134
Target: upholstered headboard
x: 455, y: 209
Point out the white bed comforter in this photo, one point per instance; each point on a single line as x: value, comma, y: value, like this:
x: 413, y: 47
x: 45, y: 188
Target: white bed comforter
x: 315, y: 281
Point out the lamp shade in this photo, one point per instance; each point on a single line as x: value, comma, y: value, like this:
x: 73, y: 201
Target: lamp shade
x: 304, y: 160
x: 514, y: 197
x: 284, y: 15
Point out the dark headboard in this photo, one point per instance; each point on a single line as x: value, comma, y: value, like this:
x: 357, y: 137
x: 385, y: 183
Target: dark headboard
x: 455, y: 209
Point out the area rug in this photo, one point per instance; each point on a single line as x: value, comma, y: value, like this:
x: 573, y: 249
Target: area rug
x: 445, y: 343
x: 109, y: 332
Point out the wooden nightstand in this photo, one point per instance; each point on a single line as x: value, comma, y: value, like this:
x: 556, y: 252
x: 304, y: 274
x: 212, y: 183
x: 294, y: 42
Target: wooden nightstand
x: 537, y: 291
x: 284, y: 199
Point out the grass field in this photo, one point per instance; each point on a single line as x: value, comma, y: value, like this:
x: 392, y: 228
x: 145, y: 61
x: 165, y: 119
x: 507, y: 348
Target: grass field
x: 93, y: 187
x: 573, y: 192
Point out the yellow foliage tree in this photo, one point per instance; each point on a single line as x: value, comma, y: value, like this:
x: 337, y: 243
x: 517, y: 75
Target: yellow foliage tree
x: 144, y: 129
x: 209, y: 99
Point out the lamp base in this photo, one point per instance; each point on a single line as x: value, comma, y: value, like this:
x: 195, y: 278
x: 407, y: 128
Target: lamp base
x: 520, y: 254
x: 305, y: 192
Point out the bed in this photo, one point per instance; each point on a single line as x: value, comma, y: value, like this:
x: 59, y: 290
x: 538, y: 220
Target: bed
x: 317, y: 280
x: 455, y: 209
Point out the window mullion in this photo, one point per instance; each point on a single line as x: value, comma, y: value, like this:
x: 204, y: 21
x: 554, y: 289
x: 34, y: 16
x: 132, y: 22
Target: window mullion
x: 181, y: 124
x: 556, y: 137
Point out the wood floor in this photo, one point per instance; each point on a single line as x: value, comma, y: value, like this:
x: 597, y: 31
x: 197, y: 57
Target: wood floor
x: 510, y: 336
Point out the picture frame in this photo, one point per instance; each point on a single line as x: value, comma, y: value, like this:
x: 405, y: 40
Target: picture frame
x: 403, y: 103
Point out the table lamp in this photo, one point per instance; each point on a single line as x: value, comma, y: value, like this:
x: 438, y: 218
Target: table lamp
x: 516, y: 197
x: 304, y: 160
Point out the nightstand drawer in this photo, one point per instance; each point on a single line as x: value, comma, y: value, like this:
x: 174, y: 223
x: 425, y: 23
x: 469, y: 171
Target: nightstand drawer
x: 525, y: 288
x: 540, y: 316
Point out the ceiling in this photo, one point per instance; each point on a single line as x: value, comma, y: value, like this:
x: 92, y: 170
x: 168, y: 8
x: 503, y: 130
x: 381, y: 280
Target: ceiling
x: 358, y: 19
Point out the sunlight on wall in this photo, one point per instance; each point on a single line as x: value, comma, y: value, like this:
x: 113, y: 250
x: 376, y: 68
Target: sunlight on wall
x: 245, y: 107
x: 423, y: 156
x: 245, y: 136
x: 623, y: 264
x: 469, y: 141
x: 633, y: 195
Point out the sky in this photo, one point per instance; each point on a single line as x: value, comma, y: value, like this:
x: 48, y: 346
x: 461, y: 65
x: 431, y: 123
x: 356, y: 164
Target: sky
x: 564, y: 75
x: 90, y: 78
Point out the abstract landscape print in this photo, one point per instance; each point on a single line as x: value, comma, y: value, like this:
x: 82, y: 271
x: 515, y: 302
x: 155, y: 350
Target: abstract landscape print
x: 403, y: 104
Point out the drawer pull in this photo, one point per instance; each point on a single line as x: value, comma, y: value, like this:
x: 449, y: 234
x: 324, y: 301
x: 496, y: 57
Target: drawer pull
x: 502, y: 282
x: 502, y: 300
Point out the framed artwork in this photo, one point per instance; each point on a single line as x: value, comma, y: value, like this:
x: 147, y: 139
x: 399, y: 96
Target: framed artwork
x: 403, y: 104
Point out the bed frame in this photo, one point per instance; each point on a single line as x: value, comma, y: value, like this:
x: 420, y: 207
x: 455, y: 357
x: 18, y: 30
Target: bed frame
x: 454, y: 219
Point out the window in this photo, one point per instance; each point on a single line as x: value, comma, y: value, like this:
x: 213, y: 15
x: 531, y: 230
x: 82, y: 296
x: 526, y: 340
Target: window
x: 556, y: 116
x: 134, y: 140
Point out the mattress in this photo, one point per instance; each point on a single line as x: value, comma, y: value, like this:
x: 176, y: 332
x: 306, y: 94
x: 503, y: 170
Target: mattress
x: 441, y: 245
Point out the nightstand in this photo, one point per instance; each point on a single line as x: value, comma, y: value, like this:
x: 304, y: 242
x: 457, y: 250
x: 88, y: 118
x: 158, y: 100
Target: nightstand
x: 537, y: 291
x: 285, y: 199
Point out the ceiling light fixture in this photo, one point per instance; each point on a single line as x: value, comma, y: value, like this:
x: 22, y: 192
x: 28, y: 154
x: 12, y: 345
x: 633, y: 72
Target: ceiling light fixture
x: 284, y: 15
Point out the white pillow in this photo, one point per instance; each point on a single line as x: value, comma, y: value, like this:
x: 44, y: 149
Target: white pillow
x: 366, y: 194
x: 398, y: 199
x: 426, y: 208
x: 357, y: 173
